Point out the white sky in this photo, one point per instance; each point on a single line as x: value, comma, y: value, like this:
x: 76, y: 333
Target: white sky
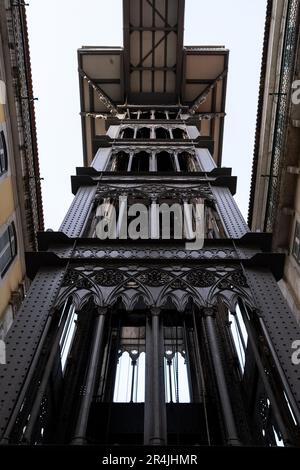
x: 59, y: 27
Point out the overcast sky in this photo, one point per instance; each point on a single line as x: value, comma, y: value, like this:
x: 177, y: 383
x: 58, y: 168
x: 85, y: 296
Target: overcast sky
x: 59, y: 27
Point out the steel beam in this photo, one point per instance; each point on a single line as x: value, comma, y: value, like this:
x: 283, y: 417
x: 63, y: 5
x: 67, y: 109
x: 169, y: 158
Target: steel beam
x: 155, y: 406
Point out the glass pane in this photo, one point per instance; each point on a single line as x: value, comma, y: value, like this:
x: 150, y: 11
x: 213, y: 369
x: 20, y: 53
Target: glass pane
x: 130, y: 378
x: 13, y: 243
x: 5, y: 251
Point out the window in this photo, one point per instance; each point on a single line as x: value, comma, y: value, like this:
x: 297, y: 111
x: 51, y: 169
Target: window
x: 239, y: 335
x: 140, y: 162
x: 165, y: 162
x: 3, y: 154
x: 175, y: 366
x: 172, y: 114
x: 296, y: 244
x: 184, y: 161
x: 8, y: 248
x: 160, y: 115
x: 68, y: 334
x: 145, y: 115
x: 143, y: 133
x: 162, y: 133
x: 6, y: 322
x: 179, y: 133
x: 130, y: 373
x: 127, y: 133
x: 120, y: 162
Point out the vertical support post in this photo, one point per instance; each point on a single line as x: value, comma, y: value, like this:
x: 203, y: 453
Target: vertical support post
x: 130, y: 161
x: 153, y: 162
x: 155, y: 404
x: 122, y: 219
x: 229, y: 422
x: 177, y: 166
x: 91, y: 378
x: 154, y: 219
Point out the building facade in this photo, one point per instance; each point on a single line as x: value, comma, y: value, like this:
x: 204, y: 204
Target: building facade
x: 152, y: 340
x: 21, y: 213
x: 275, y: 188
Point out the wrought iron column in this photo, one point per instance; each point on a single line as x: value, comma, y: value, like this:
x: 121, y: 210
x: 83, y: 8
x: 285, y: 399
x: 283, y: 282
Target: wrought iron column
x: 155, y: 406
x: 229, y: 421
x: 130, y: 161
x: 90, y: 380
x: 153, y: 161
x: 154, y: 218
x: 122, y: 221
x: 177, y: 166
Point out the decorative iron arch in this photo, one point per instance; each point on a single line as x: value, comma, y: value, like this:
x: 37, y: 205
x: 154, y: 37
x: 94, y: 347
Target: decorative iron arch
x: 81, y: 282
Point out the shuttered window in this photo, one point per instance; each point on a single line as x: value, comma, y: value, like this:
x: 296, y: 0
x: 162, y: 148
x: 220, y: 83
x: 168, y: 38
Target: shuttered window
x: 3, y: 154
x: 8, y: 248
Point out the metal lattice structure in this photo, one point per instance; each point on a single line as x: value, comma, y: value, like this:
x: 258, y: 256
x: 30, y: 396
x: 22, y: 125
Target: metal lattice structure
x: 204, y: 333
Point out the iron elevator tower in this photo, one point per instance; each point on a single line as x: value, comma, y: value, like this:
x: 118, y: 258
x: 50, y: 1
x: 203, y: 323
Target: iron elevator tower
x: 147, y: 340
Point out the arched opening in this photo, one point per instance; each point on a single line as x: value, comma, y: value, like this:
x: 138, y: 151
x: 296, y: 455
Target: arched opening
x: 121, y: 161
x: 127, y: 133
x: 184, y: 160
x: 140, y: 162
x: 143, y: 133
x: 257, y: 374
x: 179, y: 133
x: 165, y: 162
x: 133, y: 114
x: 145, y: 115
x: 162, y: 133
x: 172, y: 114
x: 8, y: 248
x: 160, y: 115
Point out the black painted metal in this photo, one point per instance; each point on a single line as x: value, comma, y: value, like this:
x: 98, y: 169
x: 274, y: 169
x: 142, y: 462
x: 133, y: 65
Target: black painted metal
x: 24, y: 338
x: 234, y: 222
x: 90, y: 381
x: 281, y: 326
x: 155, y: 407
x: 223, y: 391
x: 73, y: 223
x: 157, y: 275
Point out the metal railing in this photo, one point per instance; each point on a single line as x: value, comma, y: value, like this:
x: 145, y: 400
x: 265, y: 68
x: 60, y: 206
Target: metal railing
x: 282, y: 112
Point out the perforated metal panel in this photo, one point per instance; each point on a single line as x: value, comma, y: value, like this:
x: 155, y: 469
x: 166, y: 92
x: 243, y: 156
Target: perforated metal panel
x: 76, y: 217
x: 279, y: 320
x: 233, y: 220
x: 23, y: 338
x: 206, y: 161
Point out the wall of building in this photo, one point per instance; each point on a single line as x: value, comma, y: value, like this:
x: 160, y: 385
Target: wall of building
x: 14, y: 276
x: 290, y: 284
x: 275, y: 198
x: 13, y: 279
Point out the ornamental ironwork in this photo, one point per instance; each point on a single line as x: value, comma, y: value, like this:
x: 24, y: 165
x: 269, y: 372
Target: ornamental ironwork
x: 201, y: 278
x: 155, y: 190
x: 154, y: 278
x: 108, y: 277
